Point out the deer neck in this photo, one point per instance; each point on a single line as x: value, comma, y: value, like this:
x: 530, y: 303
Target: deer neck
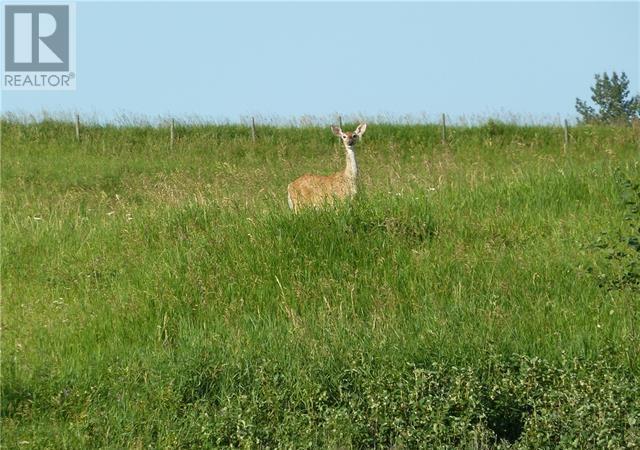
x: 351, y: 169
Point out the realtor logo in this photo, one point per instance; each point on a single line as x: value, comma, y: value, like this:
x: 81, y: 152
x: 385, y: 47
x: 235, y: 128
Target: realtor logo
x: 39, y: 50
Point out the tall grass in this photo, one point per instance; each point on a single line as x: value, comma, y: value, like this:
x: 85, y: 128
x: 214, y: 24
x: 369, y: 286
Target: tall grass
x: 166, y: 297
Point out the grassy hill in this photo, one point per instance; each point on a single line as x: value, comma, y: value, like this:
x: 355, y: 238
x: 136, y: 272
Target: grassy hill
x: 479, y: 293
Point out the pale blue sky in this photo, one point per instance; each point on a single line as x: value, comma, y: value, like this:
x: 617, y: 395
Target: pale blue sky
x: 233, y: 60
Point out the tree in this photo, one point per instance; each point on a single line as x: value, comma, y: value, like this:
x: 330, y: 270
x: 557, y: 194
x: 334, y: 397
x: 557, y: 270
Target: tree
x: 611, y: 95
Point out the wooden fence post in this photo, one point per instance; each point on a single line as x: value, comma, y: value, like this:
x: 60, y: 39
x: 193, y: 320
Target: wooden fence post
x: 444, y: 129
x: 172, y: 131
x: 253, y: 129
x: 77, y: 127
x: 566, y: 134
x: 340, y: 122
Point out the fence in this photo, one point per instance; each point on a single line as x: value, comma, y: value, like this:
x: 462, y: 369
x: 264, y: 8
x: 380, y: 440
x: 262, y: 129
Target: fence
x: 443, y: 130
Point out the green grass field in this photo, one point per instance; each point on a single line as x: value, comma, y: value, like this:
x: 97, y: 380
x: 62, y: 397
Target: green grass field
x: 479, y: 294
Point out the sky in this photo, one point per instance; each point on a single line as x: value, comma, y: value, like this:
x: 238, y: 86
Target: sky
x: 229, y: 61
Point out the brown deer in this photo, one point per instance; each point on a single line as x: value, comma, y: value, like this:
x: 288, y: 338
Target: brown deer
x: 317, y: 190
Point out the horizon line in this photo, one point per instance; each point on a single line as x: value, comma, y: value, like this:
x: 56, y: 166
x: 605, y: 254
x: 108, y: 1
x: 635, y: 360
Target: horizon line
x: 126, y: 118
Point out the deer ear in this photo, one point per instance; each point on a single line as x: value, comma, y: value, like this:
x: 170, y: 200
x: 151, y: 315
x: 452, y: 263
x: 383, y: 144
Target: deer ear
x: 336, y: 130
x: 361, y: 129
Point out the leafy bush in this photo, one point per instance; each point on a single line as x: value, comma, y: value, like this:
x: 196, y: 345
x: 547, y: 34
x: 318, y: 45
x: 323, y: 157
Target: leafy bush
x: 516, y: 402
x: 619, y: 266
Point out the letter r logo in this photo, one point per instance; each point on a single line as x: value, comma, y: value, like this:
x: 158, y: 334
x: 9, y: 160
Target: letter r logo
x: 36, y: 38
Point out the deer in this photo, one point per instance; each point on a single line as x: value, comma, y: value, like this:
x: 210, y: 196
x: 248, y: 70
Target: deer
x: 318, y: 190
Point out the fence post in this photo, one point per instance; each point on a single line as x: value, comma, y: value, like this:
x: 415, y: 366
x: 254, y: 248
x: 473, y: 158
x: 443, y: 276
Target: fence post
x: 253, y: 129
x: 566, y: 134
x: 444, y: 129
x: 77, y: 127
x: 172, y: 127
x: 340, y: 122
